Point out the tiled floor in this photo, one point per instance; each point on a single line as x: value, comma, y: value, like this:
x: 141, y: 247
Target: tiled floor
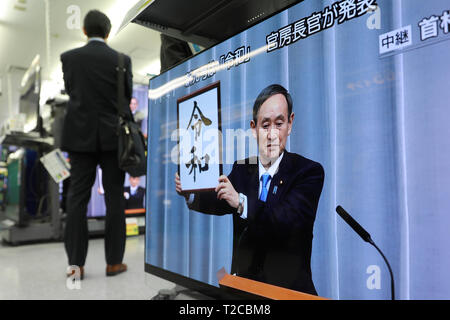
x: 37, y: 271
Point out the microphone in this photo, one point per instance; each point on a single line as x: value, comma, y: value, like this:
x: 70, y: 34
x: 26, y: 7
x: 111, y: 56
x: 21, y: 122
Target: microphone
x: 366, y: 237
x: 355, y: 225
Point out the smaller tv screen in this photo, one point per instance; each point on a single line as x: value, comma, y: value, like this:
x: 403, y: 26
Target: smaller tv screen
x: 29, y: 95
x: 134, y: 187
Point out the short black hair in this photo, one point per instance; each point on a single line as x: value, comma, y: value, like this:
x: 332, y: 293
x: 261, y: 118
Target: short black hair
x: 266, y: 93
x: 97, y: 24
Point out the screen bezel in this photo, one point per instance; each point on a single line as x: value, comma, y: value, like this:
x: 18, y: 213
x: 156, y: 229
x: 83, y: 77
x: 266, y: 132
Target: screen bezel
x: 218, y: 43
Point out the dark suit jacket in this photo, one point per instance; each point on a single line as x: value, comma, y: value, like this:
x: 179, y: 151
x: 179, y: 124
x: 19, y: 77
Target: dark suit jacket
x: 273, y: 244
x: 136, y: 201
x: 90, y: 78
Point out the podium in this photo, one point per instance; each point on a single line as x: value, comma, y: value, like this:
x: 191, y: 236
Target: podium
x: 260, y: 289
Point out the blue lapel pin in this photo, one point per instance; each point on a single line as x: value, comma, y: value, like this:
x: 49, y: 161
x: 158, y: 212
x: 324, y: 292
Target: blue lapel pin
x: 275, y: 189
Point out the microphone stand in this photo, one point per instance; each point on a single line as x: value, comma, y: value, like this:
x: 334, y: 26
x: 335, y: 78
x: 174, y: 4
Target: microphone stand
x: 389, y: 267
x: 366, y: 237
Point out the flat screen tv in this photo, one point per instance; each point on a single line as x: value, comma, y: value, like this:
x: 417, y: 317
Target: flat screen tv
x: 368, y: 82
x: 30, y: 89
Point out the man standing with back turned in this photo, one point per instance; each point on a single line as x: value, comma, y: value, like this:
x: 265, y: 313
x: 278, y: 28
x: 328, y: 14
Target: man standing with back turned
x: 90, y: 137
x: 273, y: 199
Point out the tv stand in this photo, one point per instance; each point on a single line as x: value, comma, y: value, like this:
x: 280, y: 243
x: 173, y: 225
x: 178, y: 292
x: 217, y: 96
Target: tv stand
x: 179, y: 293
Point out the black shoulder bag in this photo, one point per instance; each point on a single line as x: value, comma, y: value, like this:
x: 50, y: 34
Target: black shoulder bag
x: 132, y: 149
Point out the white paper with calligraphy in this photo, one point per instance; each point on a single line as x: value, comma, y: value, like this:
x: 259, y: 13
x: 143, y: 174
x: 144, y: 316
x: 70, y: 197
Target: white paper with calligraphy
x: 199, y: 139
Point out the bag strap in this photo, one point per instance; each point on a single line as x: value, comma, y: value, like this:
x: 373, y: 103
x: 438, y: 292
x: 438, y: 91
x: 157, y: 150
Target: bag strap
x: 120, y: 83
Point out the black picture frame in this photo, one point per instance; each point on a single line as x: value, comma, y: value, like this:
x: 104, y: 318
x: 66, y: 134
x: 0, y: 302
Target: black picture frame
x: 212, y: 86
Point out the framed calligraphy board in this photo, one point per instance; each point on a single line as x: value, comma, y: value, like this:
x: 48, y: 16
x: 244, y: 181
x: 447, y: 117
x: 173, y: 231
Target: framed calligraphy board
x: 200, y: 139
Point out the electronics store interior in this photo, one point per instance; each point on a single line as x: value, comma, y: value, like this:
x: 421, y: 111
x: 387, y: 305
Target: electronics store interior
x: 206, y: 150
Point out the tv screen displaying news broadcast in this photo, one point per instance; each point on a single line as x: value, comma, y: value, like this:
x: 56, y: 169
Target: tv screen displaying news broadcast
x: 254, y: 142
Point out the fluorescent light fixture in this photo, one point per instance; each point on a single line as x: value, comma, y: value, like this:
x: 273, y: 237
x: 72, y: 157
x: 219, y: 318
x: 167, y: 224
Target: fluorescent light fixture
x: 117, y: 14
x: 5, y: 6
x: 153, y: 68
x: 140, y: 6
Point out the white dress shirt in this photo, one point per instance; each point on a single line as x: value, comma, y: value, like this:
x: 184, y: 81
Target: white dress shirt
x: 96, y: 39
x: 133, y: 190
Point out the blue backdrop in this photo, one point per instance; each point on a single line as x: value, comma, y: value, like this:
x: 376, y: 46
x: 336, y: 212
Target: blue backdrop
x: 377, y: 124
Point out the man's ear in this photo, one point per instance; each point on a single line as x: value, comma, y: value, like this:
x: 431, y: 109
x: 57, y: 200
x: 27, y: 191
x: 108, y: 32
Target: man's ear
x: 253, y: 126
x: 84, y: 31
x: 106, y: 38
x: 290, y: 122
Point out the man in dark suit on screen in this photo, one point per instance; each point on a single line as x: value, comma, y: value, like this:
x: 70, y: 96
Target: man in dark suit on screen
x: 134, y: 194
x: 90, y: 137
x: 273, y: 199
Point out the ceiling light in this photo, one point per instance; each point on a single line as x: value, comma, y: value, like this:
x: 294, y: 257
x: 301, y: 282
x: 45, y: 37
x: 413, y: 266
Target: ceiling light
x: 116, y: 14
x: 152, y: 69
x: 4, y: 9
